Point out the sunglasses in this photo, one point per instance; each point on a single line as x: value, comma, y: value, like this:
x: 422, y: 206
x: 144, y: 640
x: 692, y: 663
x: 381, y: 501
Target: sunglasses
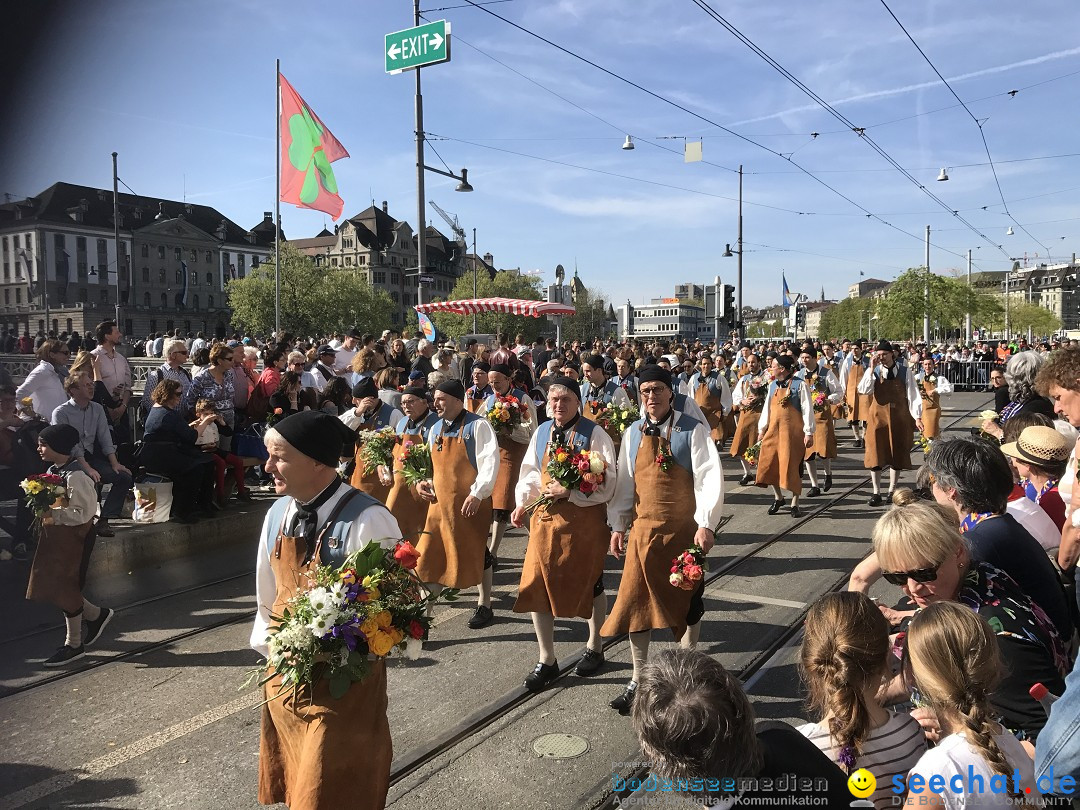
x: 920, y: 575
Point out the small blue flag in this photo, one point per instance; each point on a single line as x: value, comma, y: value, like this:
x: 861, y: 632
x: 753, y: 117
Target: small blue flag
x: 787, y: 295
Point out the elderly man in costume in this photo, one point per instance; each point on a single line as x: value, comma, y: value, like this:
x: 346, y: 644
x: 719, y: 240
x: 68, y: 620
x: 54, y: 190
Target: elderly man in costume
x: 710, y: 391
x: 513, y: 442
x: 404, y: 503
x: 563, y: 573
x: 465, y: 463
x: 822, y: 382
x: 895, y: 410
x: 479, y: 391
x: 786, y: 430
x: 369, y: 413
x: 308, y: 744
x: 671, y: 488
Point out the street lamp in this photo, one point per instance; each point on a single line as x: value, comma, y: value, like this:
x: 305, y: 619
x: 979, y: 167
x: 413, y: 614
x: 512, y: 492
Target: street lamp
x: 728, y: 253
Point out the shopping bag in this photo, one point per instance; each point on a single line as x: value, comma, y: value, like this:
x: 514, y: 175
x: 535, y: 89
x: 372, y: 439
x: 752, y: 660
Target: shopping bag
x: 249, y: 443
x: 153, y: 500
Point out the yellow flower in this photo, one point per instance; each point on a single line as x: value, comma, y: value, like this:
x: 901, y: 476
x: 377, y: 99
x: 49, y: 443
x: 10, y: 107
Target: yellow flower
x: 369, y: 627
x: 34, y: 487
x: 347, y: 577
x: 384, y: 619
x: 27, y: 401
x: 396, y: 634
x: 381, y: 643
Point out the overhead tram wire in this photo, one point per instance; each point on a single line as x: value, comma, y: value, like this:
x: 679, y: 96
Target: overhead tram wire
x: 978, y: 123
x: 866, y: 212
x: 839, y: 116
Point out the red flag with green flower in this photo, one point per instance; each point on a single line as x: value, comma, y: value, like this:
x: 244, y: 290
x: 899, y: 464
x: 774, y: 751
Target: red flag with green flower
x: 307, y: 150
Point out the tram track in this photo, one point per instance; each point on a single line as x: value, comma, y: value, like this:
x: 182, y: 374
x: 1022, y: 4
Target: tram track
x: 485, y: 716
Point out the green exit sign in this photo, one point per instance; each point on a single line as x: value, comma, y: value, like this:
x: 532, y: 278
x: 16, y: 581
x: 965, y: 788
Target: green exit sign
x: 415, y: 47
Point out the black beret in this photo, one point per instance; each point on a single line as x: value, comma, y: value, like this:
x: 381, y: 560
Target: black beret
x: 566, y: 382
x: 365, y: 388
x: 480, y: 364
x: 785, y: 361
x: 594, y: 360
x: 501, y: 368
x: 316, y: 434
x: 60, y: 438
x: 452, y: 387
x: 654, y: 373
x: 415, y: 391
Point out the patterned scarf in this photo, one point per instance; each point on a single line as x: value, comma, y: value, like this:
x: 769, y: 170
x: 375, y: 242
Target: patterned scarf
x: 973, y: 520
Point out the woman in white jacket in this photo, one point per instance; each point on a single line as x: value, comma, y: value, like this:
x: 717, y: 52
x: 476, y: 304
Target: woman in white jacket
x: 45, y: 383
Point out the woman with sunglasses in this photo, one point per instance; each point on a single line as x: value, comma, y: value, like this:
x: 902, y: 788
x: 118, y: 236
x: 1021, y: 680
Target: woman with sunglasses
x: 45, y: 382
x: 921, y: 551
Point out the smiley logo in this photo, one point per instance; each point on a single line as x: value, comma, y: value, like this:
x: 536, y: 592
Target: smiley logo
x: 861, y: 783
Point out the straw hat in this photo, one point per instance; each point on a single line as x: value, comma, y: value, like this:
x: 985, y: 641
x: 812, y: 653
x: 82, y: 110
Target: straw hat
x: 1038, y: 445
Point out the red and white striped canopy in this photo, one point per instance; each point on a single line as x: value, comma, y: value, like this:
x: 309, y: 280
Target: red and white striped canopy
x: 514, y: 306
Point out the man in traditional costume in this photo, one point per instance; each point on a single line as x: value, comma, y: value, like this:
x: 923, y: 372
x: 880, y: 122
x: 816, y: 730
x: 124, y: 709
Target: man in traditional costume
x: 671, y: 488
x: 823, y: 383
x: 513, y: 442
x: 563, y: 572
x: 894, y: 412
x: 479, y: 391
x: 369, y: 413
x: 404, y: 503
x: 710, y: 391
x: 931, y: 386
x: 624, y: 378
x: 786, y: 430
x: 851, y: 372
x: 596, y: 390
x: 748, y: 399
x: 465, y: 462
x: 309, y: 743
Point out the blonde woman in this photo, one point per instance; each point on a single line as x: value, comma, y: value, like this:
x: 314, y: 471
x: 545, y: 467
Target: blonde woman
x: 956, y: 665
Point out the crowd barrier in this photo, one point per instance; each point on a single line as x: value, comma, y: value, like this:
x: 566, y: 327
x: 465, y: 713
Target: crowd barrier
x: 972, y: 375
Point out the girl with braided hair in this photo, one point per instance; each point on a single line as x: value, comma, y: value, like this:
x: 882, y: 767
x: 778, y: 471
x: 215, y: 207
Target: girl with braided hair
x: 844, y: 661
x: 956, y: 664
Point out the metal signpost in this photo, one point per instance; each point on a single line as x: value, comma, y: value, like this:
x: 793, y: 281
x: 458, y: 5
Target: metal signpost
x: 426, y: 44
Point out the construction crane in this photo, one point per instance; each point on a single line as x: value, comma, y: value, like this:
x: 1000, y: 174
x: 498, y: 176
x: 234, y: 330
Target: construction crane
x: 459, y: 235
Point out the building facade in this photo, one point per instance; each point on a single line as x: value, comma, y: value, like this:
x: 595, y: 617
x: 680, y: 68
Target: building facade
x: 690, y: 292
x: 866, y: 286
x: 1053, y: 287
x: 670, y: 319
x: 61, y: 270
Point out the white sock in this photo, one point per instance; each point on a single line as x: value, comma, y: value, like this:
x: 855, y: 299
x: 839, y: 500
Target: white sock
x: 74, y: 630
x: 596, y: 621
x: 875, y: 481
x: 544, y: 625
x: 484, y: 598
x: 777, y: 494
x: 91, y: 611
x: 811, y: 471
x: 745, y: 467
x: 828, y: 466
x: 433, y: 589
x: 639, y: 651
x: 893, y: 476
x: 497, y: 530
x: 690, y: 636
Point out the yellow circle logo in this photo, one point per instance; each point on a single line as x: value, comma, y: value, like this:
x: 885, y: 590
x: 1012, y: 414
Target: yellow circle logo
x: 861, y: 783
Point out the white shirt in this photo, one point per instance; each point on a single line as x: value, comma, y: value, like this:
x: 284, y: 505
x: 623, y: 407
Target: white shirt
x: 343, y: 358
x: 45, y: 387
x: 805, y: 403
x: 353, y: 422
x: 708, y: 482
x: 942, y: 385
x: 487, y: 459
x: 954, y: 756
x: 871, y: 377
x: 528, y: 485
x: 375, y: 524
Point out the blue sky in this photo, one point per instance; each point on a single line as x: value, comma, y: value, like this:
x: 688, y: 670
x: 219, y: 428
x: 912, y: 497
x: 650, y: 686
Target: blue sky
x: 185, y: 93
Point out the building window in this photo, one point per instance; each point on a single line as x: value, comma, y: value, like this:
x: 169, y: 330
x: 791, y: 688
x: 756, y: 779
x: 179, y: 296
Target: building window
x: 80, y: 244
x: 177, y: 254
x: 395, y: 278
x: 145, y: 251
x: 193, y: 256
x: 209, y: 302
x: 7, y: 270
x: 379, y: 276
x: 210, y: 279
x: 15, y: 241
x: 161, y: 276
x: 209, y: 257
x: 161, y: 252
x: 58, y: 240
x: 7, y: 297
x: 179, y: 277
x: 348, y: 261
x: 146, y: 302
x: 194, y: 279
x: 240, y: 264
x: 362, y: 260
x: 333, y: 262
x: 81, y: 269
x: 164, y: 301
x: 104, y: 296
x: 254, y: 262
x: 146, y: 274
x: 82, y: 294
x: 195, y: 302
x: 394, y: 296
x: 18, y: 295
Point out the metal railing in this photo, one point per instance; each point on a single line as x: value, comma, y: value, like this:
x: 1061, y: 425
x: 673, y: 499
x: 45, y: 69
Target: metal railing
x: 971, y: 375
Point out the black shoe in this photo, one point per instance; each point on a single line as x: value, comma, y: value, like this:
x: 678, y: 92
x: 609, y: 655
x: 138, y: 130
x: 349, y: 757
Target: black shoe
x: 63, y: 655
x: 860, y: 443
x: 828, y: 483
x: 103, y: 530
x: 813, y: 492
x: 244, y: 496
x: 589, y: 664
x: 890, y: 497
x: 95, y: 628
x: 796, y: 512
x: 541, y: 677
x: 482, y: 618
x: 875, y: 499
x: 745, y: 480
x: 776, y: 507
x: 623, y: 702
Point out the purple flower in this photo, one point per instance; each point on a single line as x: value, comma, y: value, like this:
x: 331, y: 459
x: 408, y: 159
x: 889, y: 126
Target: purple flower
x: 349, y: 632
x: 847, y: 757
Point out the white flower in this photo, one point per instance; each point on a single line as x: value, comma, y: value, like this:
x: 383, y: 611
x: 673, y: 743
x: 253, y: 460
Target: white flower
x: 596, y: 464
x: 413, y: 647
x: 319, y: 599
x: 337, y: 593
x: 320, y: 625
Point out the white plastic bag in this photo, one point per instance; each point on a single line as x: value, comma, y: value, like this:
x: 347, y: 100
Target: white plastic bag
x: 153, y: 500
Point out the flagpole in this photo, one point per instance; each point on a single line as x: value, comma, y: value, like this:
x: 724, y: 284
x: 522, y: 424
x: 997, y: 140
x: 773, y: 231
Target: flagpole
x: 277, y: 201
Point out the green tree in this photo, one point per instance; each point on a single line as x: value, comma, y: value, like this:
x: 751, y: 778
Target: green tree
x: 506, y: 284
x: 847, y: 319
x: 314, y: 300
x: 1023, y: 316
x: 590, y: 320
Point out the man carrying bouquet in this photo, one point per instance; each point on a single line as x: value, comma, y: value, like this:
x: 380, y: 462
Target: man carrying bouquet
x: 464, y: 462
x: 825, y: 392
x: 748, y: 399
x: 513, y: 433
x: 563, y: 573
x: 308, y: 743
x: 370, y: 414
x: 671, y: 488
x: 404, y: 503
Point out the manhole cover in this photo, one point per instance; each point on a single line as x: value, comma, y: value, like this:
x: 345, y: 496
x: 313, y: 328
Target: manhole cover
x: 560, y: 746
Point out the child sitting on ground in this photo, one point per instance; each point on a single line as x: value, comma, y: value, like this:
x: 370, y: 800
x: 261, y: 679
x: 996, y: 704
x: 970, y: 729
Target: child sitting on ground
x: 208, y: 442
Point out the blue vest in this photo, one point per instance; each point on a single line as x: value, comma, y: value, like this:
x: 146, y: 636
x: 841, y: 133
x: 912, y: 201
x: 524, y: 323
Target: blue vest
x: 793, y: 387
x: 681, y: 434
x: 465, y: 431
x: 714, y: 383
x: 583, y: 429
x: 679, y: 403
x: 589, y: 392
x: 335, y: 536
x: 421, y: 430
x: 615, y: 383
x: 382, y: 417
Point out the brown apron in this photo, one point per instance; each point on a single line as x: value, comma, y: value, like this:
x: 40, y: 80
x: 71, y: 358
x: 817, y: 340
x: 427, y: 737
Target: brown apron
x: 368, y: 482
x: 58, y: 573
x: 473, y: 404
x: 408, y: 508
x: 663, y: 528
x: 746, y: 433
x: 931, y: 408
x: 782, y: 448
x: 857, y: 404
x: 452, y: 546
x: 564, y: 558
x: 511, y: 454
x: 318, y: 752
x: 824, y: 445
x: 890, y: 430
x: 713, y: 410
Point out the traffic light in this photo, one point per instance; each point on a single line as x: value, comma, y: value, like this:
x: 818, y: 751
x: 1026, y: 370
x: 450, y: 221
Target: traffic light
x: 731, y: 317
x: 800, y: 316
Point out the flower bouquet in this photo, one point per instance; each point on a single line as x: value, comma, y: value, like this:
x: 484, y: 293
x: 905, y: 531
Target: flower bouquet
x: 274, y: 417
x: 757, y: 391
x: 507, y: 413
x: 752, y: 453
x: 688, y: 569
x: 821, y: 401
x: 988, y: 414
x: 26, y: 408
x: 372, y: 605
x: 376, y: 448
x: 923, y: 444
x: 42, y: 491
x: 415, y: 461
x: 581, y: 470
